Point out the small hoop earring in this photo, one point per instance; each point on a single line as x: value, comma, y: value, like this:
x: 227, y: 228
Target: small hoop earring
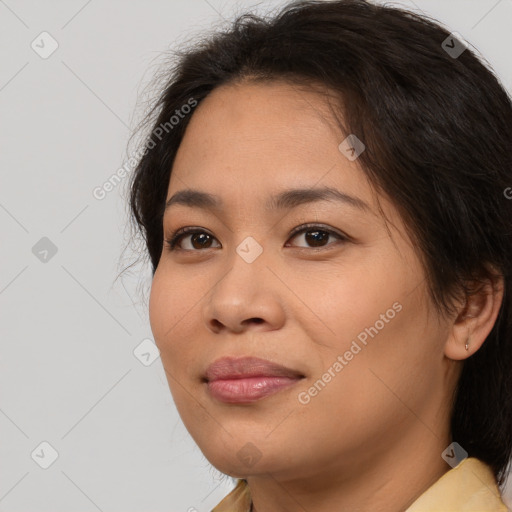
x: 467, y: 344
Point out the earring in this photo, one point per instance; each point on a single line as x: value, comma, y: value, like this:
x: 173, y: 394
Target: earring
x: 467, y: 344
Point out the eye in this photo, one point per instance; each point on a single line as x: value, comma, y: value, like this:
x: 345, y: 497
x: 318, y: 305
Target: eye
x: 316, y: 235
x: 197, y: 239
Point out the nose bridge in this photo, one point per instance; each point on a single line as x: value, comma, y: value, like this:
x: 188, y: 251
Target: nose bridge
x: 244, y: 278
x: 243, y: 292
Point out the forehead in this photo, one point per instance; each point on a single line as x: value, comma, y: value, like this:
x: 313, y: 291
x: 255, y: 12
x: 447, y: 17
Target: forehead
x: 260, y: 111
x: 271, y: 135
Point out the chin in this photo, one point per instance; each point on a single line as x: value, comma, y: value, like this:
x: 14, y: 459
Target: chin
x: 242, y: 457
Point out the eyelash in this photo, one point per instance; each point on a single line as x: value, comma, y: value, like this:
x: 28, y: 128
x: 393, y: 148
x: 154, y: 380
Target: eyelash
x: 171, y: 242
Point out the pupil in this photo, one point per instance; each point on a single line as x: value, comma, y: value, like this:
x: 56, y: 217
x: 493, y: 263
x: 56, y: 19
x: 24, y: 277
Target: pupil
x: 203, y: 237
x: 317, y: 238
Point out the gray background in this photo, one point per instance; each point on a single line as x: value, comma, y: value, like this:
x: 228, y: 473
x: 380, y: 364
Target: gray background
x: 68, y: 373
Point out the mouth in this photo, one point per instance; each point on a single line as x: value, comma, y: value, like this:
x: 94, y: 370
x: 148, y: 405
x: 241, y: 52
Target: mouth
x: 247, y: 379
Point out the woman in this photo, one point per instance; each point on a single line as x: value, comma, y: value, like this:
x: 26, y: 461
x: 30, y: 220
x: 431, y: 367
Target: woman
x: 323, y: 197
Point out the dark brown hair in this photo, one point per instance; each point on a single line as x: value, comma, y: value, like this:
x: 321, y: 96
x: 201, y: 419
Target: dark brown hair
x: 437, y: 130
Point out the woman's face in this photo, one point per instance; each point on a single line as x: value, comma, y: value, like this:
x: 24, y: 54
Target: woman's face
x: 341, y: 303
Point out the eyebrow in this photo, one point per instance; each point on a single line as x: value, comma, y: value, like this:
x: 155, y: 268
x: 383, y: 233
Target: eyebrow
x: 287, y: 199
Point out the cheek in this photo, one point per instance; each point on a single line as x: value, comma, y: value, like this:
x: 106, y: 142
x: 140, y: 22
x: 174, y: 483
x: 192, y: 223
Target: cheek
x: 375, y: 318
x: 372, y: 392
x: 170, y: 314
x: 159, y: 304
x: 348, y: 302
x: 388, y: 363
x: 168, y: 307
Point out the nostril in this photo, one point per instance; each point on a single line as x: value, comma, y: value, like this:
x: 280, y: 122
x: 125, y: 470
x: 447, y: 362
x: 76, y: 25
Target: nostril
x: 253, y: 320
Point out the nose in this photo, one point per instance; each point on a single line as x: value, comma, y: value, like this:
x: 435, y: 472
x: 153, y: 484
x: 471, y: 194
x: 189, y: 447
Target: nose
x: 246, y: 297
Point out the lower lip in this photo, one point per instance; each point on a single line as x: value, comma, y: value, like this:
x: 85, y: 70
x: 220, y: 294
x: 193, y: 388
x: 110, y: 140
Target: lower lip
x: 251, y: 389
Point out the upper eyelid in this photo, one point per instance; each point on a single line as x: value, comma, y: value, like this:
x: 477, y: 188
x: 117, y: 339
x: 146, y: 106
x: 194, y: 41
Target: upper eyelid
x: 312, y: 225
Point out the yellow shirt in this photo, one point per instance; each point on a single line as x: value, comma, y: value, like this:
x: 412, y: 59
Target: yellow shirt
x: 468, y: 487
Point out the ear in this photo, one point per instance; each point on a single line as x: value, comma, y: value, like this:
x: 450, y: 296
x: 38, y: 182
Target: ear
x: 475, y: 320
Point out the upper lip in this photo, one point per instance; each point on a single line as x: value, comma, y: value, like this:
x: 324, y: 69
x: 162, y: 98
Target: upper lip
x: 244, y: 367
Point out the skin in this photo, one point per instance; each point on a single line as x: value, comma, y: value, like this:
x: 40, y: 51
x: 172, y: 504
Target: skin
x: 372, y: 438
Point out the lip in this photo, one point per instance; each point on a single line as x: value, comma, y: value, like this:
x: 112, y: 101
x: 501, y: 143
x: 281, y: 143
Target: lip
x: 247, y: 379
